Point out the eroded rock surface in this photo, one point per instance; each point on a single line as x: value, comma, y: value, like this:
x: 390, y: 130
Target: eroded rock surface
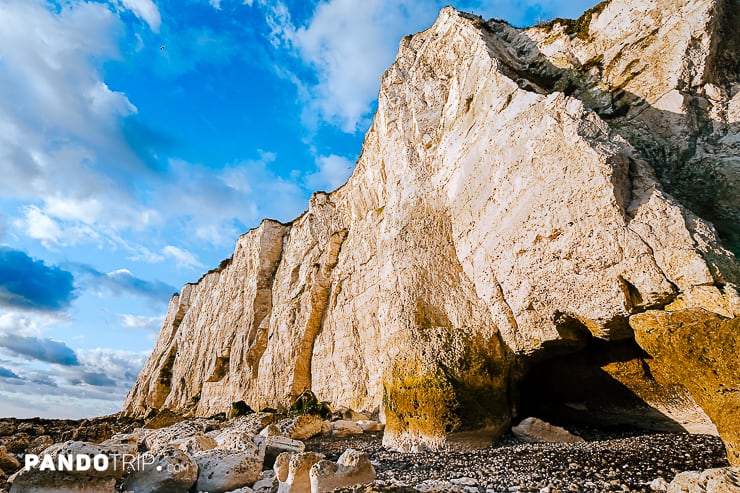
x: 721, y: 480
x: 665, y: 75
x: 220, y: 471
x: 170, y: 470
x: 352, y: 468
x: 292, y: 471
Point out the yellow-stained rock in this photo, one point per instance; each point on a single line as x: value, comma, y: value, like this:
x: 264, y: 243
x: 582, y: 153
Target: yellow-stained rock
x: 700, y: 350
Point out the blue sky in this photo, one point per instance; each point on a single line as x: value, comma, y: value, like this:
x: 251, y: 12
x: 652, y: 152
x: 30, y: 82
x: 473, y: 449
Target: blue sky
x: 139, y: 138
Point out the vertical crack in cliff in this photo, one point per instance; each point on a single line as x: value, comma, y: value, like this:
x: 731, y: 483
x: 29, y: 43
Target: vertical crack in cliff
x: 158, y: 395
x: 320, y: 293
x: 220, y: 366
x: 262, y: 306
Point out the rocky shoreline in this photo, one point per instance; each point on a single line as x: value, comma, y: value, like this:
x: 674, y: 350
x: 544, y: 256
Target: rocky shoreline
x: 33, y: 435
x: 623, y: 459
x: 608, y: 460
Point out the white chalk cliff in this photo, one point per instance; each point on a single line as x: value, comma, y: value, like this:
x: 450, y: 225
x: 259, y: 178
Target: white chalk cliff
x: 505, y: 210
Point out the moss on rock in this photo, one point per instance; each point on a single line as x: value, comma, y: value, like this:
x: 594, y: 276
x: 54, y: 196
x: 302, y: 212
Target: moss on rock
x: 577, y: 27
x: 308, y: 403
x: 450, y: 381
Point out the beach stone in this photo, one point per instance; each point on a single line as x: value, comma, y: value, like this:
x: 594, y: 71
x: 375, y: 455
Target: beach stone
x: 292, y: 471
x: 8, y: 462
x: 344, y: 428
x: 352, y: 468
x: 172, y: 471
x: 268, y: 483
x: 533, y: 430
x: 39, y: 444
x: 721, y: 480
x: 156, y: 439
x: 345, y: 413
x: 273, y: 446
x: 270, y: 430
x: 238, y: 441
x: 220, y: 471
x: 196, y: 443
x: 658, y: 484
x: 33, y: 429
x: 301, y: 427
x: 7, y: 428
x: 370, y: 425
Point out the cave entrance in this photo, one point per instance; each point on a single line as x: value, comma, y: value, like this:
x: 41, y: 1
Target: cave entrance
x: 585, y: 380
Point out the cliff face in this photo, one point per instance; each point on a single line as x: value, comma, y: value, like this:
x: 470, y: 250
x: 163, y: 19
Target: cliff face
x: 493, y: 222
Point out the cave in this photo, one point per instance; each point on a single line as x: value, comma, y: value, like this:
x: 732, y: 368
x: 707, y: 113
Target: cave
x: 605, y: 384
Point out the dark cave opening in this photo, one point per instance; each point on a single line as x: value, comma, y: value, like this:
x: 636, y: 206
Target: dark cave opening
x: 591, y: 381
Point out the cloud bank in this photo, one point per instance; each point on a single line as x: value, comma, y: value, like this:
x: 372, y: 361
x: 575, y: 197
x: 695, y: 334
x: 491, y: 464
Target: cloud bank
x: 26, y: 283
x: 46, y: 350
x: 121, y: 282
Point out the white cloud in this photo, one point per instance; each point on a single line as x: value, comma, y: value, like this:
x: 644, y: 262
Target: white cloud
x: 333, y: 172
x: 217, y: 205
x: 279, y: 20
x: 51, y: 232
x: 141, y: 322
x: 47, y: 74
x: 38, y: 399
x: 145, y: 10
x: 348, y: 44
x: 214, y: 205
x: 62, y: 145
x: 105, y: 102
x: 118, y: 365
x: 122, y: 281
x: 87, y: 210
x: 216, y: 4
x: 183, y: 258
x: 41, y: 227
x: 28, y: 323
x: 143, y: 254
